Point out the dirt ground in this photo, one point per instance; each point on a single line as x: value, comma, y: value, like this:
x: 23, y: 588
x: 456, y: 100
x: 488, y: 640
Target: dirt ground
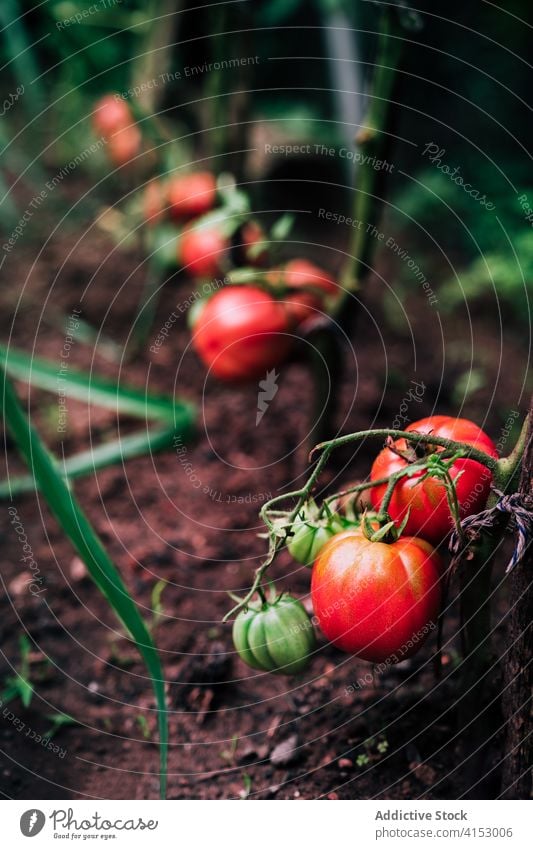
x: 335, y: 731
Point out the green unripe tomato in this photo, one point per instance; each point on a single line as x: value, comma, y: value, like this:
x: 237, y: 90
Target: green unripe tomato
x: 275, y: 637
x: 310, y: 536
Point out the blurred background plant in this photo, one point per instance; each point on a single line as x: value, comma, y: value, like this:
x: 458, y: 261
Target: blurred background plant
x: 62, y: 55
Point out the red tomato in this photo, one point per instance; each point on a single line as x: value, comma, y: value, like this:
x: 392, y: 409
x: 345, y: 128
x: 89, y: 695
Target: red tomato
x: 192, y: 194
x: 373, y: 599
x: 430, y: 516
x: 303, y: 305
x: 153, y: 202
x: 301, y: 272
x: 202, y: 251
x: 110, y: 114
x: 124, y: 145
x: 242, y: 333
x: 252, y: 237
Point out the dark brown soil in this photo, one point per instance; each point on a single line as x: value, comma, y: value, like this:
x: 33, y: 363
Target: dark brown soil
x: 396, y: 736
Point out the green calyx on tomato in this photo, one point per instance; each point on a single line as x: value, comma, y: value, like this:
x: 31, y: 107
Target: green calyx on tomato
x: 275, y: 636
x: 381, y: 528
x: 312, y: 529
x: 423, y: 496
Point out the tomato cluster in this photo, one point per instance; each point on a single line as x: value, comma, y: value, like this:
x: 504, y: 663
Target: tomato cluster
x: 113, y: 121
x: 204, y: 227
x: 245, y: 330
x: 376, y: 578
x: 379, y: 599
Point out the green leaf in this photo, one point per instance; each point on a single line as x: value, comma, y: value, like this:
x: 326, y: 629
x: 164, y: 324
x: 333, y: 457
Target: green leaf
x: 22, y: 688
x: 277, y: 11
x: 10, y: 693
x: 127, y: 400
x: 176, y: 416
x: 107, y: 454
x: 282, y: 227
x: 383, y: 532
x: 88, y: 545
x: 58, y: 720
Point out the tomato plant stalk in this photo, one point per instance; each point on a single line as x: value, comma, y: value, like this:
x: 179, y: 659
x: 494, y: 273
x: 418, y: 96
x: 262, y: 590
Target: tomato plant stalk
x: 518, y: 669
x: 373, y: 139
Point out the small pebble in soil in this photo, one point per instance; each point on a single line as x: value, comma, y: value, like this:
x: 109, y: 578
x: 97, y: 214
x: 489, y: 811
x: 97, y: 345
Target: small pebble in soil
x: 78, y: 570
x: 19, y: 585
x: 273, y: 789
x: 285, y: 752
x: 250, y: 753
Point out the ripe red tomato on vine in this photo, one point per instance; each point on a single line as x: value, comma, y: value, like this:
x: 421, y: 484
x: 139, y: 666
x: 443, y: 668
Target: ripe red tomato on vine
x: 202, y: 251
x: 242, y: 332
x: 190, y: 195
x: 376, y: 600
x: 425, y: 500
x: 111, y: 114
x: 308, y: 287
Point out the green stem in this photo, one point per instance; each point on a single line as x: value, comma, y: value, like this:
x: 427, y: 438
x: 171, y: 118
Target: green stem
x: 301, y: 495
x: 508, y: 468
x: 413, y: 436
x: 154, y: 55
x: 148, y: 304
x: 389, y: 492
x: 218, y: 128
x: 372, y: 139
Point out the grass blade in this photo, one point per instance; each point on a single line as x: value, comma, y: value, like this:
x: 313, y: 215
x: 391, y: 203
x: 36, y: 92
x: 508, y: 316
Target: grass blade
x: 77, y: 527
x: 114, y: 451
x: 128, y: 400
x: 22, y: 55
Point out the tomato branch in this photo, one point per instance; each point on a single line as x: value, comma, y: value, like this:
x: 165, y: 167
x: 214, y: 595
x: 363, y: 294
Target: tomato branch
x: 418, y: 438
x: 278, y: 537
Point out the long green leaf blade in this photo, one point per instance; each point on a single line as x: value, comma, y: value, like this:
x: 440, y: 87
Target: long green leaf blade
x: 107, y: 454
x: 87, y: 387
x: 77, y: 527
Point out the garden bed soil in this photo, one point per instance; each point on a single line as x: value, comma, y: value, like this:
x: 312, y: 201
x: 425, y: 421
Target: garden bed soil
x: 336, y: 731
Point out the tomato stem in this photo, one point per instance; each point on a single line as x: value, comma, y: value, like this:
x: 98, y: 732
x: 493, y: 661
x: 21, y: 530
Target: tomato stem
x: 278, y: 541
x: 508, y: 468
x: 423, y: 438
